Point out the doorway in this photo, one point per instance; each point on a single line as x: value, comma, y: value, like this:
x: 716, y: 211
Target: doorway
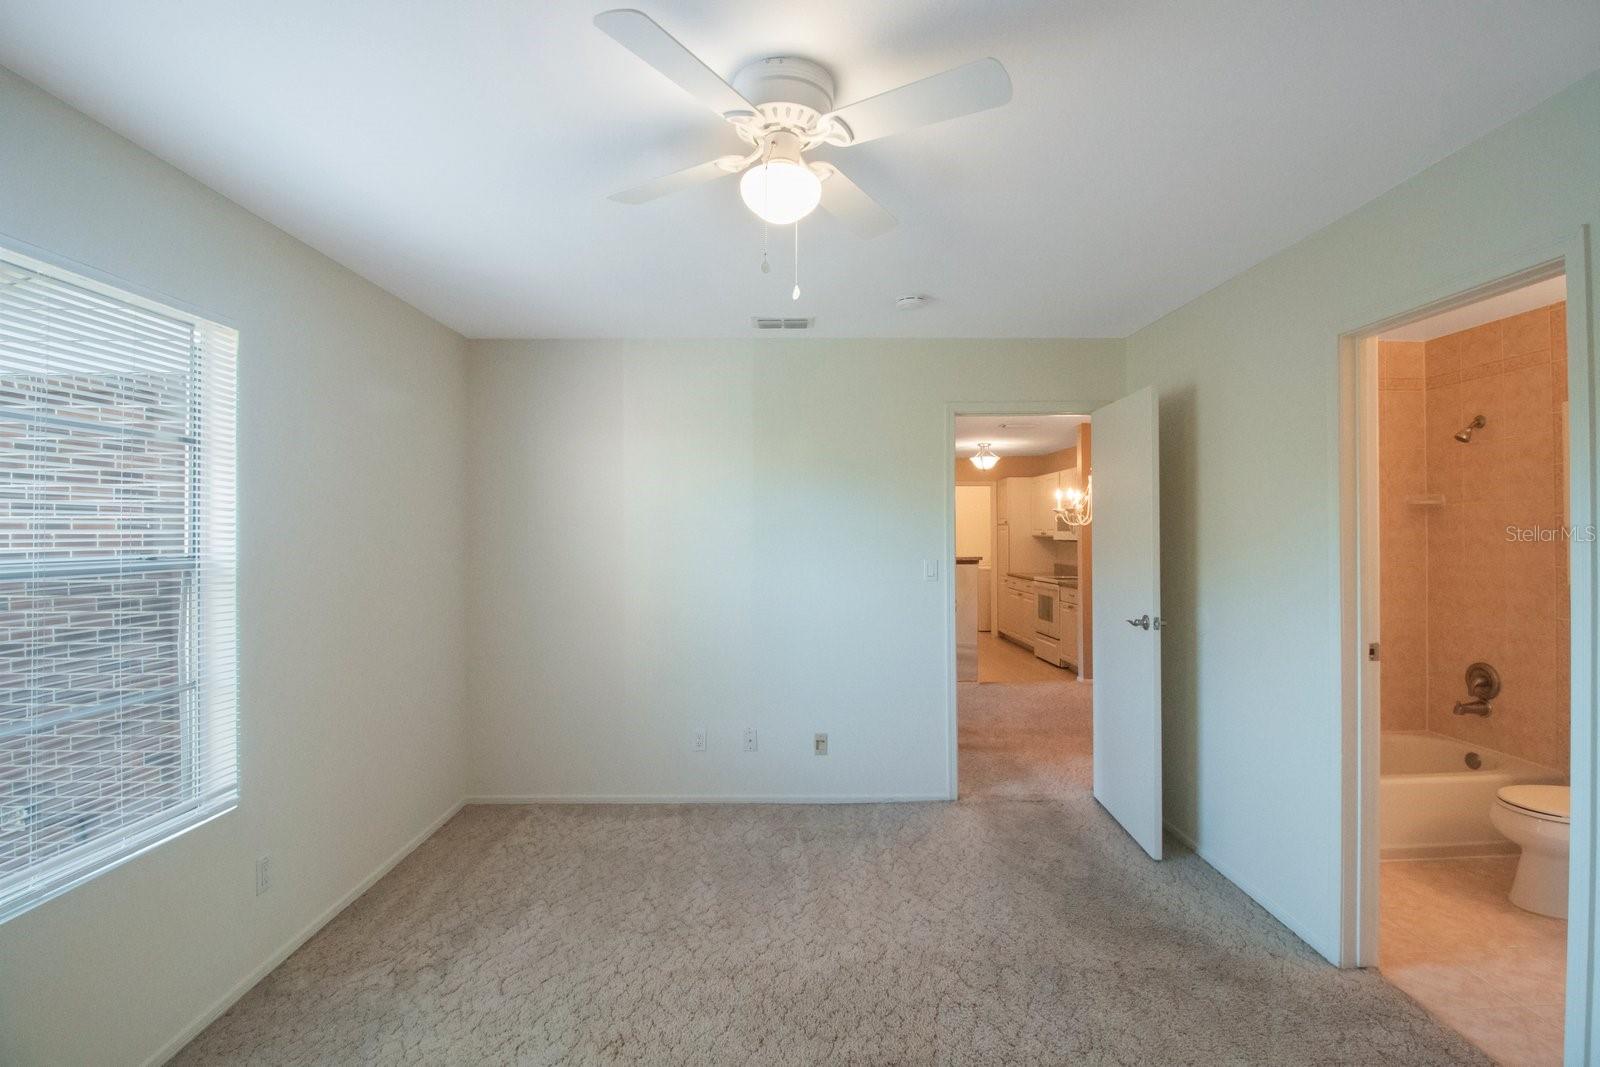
x: 1100, y: 600
x: 1024, y: 695
x: 1466, y: 531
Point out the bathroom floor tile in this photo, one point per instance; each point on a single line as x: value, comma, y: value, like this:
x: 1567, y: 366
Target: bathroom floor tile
x: 1453, y: 941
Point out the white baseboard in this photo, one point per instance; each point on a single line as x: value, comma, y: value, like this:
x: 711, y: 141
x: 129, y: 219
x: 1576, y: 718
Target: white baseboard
x: 707, y: 798
x: 1295, y: 926
x: 283, y: 951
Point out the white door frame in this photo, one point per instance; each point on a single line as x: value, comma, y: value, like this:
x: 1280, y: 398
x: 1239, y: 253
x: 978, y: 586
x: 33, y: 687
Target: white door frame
x: 1358, y: 572
x: 975, y: 407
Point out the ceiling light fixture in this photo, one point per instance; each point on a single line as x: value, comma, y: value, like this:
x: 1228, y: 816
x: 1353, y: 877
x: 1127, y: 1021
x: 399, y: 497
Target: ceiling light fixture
x: 984, y: 459
x: 781, y: 189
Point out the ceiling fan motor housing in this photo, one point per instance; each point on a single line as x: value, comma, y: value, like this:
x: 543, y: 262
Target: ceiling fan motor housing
x: 788, y: 91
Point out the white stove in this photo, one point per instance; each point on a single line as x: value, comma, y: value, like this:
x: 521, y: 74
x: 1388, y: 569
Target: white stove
x: 1055, y: 625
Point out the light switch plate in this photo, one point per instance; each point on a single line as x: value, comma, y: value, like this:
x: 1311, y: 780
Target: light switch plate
x: 930, y: 569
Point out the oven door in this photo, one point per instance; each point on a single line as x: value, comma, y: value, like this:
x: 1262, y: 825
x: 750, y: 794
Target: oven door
x: 1046, y: 596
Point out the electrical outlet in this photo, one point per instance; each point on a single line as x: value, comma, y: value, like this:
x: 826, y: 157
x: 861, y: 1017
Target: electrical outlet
x: 750, y: 739
x: 697, y: 743
x: 263, y: 874
x: 819, y: 745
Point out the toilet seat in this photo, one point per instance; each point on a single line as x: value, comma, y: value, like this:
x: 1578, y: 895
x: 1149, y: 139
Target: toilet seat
x: 1552, y: 803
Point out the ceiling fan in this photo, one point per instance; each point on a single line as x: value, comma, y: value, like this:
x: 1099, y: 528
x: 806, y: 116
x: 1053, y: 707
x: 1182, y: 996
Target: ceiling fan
x: 782, y: 107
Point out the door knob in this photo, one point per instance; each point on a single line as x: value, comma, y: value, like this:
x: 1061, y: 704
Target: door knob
x: 1142, y: 622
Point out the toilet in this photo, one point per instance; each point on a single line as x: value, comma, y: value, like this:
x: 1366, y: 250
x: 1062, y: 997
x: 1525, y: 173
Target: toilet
x: 1538, y: 818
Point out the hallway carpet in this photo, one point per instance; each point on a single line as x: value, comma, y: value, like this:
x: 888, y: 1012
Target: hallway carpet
x: 1027, y: 741
x: 990, y: 931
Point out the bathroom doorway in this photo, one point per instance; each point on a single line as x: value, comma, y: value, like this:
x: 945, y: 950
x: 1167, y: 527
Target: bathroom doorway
x: 1463, y: 544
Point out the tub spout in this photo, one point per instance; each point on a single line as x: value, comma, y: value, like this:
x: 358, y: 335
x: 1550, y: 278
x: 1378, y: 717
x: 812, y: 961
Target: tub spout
x: 1473, y: 707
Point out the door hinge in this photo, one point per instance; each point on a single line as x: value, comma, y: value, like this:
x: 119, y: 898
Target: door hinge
x: 1372, y: 652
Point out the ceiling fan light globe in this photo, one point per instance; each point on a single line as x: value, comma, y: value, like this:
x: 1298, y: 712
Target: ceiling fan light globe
x: 780, y: 192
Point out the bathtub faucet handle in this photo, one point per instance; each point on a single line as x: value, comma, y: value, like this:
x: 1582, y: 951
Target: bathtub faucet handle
x: 1483, y: 685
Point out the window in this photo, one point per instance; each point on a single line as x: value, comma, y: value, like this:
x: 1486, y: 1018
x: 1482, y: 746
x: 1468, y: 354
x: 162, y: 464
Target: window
x: 118, y: 648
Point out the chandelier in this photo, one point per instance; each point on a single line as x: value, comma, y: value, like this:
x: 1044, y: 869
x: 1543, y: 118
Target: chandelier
x: 1075, y: 507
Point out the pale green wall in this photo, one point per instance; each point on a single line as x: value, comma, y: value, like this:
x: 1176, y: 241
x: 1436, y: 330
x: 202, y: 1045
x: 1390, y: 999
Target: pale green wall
x: 352, y: 411
x: 1247, y: 377
x: 671, y: 535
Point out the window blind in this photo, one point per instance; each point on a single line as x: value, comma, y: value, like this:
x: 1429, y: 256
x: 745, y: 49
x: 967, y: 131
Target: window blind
x: 118, y: 546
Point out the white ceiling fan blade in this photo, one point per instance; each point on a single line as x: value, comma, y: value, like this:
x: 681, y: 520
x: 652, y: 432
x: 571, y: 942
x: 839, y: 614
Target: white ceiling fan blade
x: 977, y: 86
x: 844, y: 200
x: 679, y: 180
x: 641, y: 35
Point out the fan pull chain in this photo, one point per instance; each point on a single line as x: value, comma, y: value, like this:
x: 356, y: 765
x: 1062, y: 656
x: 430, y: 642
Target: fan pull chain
x: 795, y: 295
x: 766, y: 268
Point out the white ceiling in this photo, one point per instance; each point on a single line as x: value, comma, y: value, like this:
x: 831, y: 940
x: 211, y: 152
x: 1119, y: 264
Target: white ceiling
x: 1017, y: 435
x: 459, y: 154
x: 1538, y: 295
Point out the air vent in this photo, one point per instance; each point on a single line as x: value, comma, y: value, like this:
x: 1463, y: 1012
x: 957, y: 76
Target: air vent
x: 782, y: 324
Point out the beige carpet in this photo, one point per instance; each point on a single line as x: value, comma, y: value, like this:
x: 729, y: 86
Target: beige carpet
x: 1027, y: 741
x: 991, y: 931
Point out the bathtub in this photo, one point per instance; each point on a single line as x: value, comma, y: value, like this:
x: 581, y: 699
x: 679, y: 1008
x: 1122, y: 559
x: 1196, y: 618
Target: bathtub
x: 1432, y: 804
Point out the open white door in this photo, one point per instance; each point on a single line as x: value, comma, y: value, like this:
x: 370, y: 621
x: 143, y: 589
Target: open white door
x: 1127, y: 617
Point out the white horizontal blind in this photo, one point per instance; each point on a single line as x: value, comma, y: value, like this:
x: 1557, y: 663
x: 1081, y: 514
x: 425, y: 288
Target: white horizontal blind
x: 118, y: 620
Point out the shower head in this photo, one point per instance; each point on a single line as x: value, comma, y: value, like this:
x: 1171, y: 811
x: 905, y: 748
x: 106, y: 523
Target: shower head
x: 1477, y: 423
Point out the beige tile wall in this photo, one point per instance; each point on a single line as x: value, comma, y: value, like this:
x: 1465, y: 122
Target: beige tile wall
x: 1403, y: 534
x: 1488, y: 596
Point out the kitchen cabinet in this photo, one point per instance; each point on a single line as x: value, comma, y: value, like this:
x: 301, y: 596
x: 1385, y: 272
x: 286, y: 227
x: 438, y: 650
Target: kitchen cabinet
x: 1070, y: 622
x: 1018, y: 621
x: 1015, y: 502
x: 1020, y: 549
x: 1028, y: 505
x: 1018, y: 606
x: 1002, y: 556
x: 1043, y: 520
x: 1006, y: 623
